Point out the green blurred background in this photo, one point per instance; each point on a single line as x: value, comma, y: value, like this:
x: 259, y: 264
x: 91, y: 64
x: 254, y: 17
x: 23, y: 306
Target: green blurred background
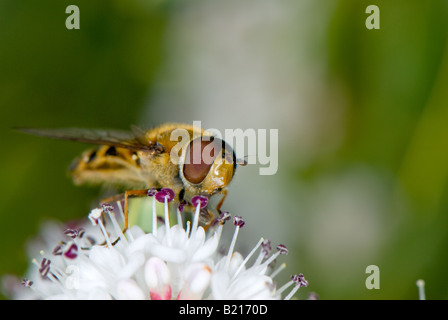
x: 362, y: 118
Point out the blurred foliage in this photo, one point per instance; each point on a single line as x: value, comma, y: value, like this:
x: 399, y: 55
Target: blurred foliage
x: 397, y: 79
x: 394, y: 80
x: 97, y: 76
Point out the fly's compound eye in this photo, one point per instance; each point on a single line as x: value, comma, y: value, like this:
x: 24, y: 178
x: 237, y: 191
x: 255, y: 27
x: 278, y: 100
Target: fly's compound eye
x: 200, y: 155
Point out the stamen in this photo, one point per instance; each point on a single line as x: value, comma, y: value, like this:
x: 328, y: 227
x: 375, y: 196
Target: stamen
x: 279, y: 269
x: 72, y: 233
x: 223, y: 217
x: 199, y: 200
x: 187, y: 229
x: 44, y: 267
x: 167, y: 222
x: 154, y: 217
x: 421, y: 289
x: 285, y: 286
x: 300, y: 282
x: 94, y: 215
x: 165, y: 193
x: 292, y: 293
x: 181, y: 206
x: 238, y: 222
x: 271, y: 258
x: 34, y: 261
x: 27, y: 283
x: 104, y: 231
x: 95, y: 218
x: 266, y: 245
x: 55, y: 269
x: 248, y: 257
x: 107, y: 207
x: 81, y: 232
x: 179, y: 216
x: 44, y: 270
x: 72, y: 252
x: 218, y: 232
x: 195, y: 220
x: 116, y: 225
x: 282, y: 249
x: 151, y: 192
x: 57, y: 251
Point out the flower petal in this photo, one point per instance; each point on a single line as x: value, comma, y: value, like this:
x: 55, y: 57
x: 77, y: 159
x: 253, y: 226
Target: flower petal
x: 197, y: 280
x: 127, y: 289
x: 157, y: 277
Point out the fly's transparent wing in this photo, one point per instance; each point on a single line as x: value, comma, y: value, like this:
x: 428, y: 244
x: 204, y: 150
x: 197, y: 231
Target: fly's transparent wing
x: 118, y: 138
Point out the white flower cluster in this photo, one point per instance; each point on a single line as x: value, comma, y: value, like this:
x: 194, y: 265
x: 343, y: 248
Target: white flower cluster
x: 171, y: 262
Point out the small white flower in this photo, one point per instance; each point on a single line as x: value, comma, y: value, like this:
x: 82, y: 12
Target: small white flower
x: 171, y: 262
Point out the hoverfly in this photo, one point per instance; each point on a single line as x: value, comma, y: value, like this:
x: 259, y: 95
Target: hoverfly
x: 139, y: 160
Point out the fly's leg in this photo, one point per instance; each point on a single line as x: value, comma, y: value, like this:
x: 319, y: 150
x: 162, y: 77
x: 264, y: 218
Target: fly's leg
x: 125, y: 196
x: 218, y: 207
